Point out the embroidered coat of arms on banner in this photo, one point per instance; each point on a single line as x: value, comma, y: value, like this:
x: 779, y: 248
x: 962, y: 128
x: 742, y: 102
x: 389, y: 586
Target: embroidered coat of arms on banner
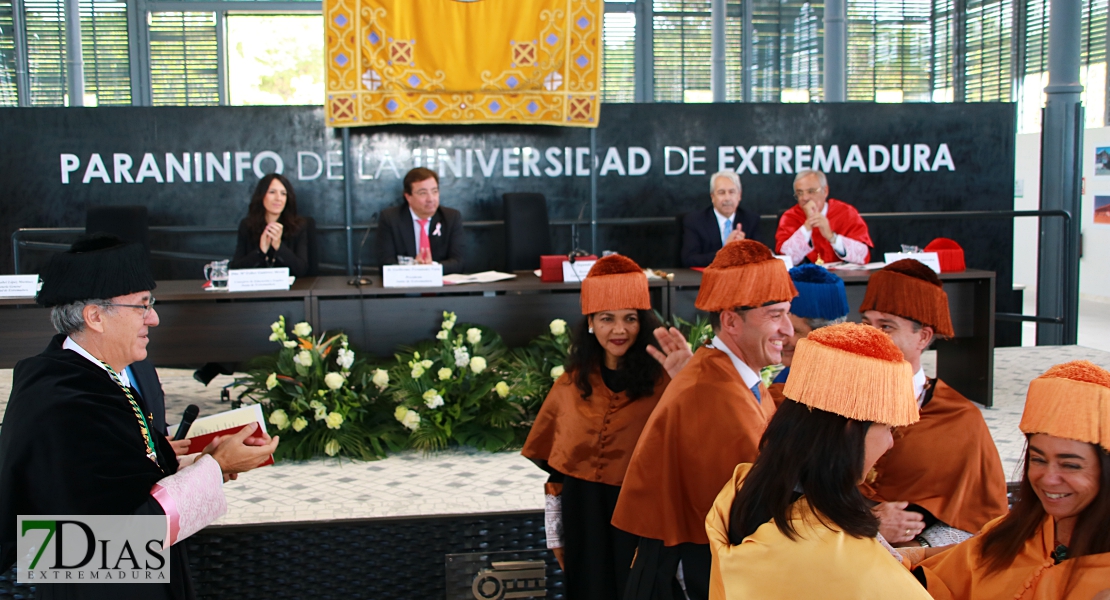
x: 463, y: 61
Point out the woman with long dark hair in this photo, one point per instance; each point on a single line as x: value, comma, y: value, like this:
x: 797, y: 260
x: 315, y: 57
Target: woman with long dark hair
x: 794, y: 524
x: 273, y: 235
x: 588, y: 426
x: 1055, y: 541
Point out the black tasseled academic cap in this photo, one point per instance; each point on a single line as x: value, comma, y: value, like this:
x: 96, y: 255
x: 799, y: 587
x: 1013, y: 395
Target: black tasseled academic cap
x: 95, y: 266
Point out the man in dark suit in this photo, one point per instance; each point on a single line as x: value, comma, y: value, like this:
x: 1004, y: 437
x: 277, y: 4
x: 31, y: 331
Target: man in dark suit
x: 144, y: 378
x: 706, y: 231
x: 421, y: 228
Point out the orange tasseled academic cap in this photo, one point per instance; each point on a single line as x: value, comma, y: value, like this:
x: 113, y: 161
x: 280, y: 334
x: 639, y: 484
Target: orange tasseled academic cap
x: 854, y: 371
x: 1071, y: 400
x: 744, y: 273
x: 615, y: 282
x: 910, y: 290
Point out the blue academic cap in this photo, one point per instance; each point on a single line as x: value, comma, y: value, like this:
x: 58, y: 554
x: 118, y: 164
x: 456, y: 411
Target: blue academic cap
x: 820, y: 293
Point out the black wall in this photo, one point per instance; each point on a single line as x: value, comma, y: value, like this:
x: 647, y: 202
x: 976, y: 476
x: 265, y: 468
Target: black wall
x: 979, y: 138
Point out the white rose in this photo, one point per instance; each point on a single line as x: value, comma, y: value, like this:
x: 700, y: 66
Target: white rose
x: 477, y: 364
x: 279, y: 418
x: 303, y: 358
x: 442, y: 335
x: 432, y: 399
x: 462, y: 358
x: 411, y: 420
x: 444, y: 374
x: 400, y: 413
x: 271, y: 381
x: 502, y: 389
x: 334, y: 420
x: 381, y: 378
x: 334, y: 381
x: 427, y: 363
x: 558, y: 327
x: 557, y: 372
x: 332, y: 448
x: 289, y: 344
x: 302, y: 329
x: 299, y: 424
x: 417, y: 370
x: 345, y: 358
x: 473, y: 335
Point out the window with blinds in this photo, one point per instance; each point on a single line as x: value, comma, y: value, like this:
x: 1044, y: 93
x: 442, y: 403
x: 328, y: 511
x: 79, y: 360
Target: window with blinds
x: 889, y: 50
x: 618, y: 75
x: 1034, y: 76
x: 987, y: 71
x: 788, y: 48
x: 104, y: 51
x: 942, y: 68
x: 8, y: 91
x: 184, y: 61
x: 682, y: 41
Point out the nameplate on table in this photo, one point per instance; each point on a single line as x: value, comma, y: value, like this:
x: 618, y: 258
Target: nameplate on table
x: 412, y: 276
x: 19, y: 286
x: 577, y: 272
x: 929, y: 259
x: 258, y: 280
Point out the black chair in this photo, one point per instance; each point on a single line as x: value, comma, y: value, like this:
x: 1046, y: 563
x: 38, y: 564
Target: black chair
x: 130, y: 223
x: 527, y: 233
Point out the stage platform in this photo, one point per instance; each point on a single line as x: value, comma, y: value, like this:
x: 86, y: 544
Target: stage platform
x: 403, y: 515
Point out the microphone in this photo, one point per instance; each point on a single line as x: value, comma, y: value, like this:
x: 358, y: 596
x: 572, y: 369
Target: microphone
x: 187, y: 419
x: 359, y: 280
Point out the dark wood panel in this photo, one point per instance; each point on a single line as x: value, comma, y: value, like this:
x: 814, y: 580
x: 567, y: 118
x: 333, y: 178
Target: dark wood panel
x: 193, y: 333
x: 27, y: 331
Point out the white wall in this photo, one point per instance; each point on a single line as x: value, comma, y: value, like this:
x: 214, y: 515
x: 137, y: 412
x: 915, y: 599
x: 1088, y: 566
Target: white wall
x: 1094, y: 267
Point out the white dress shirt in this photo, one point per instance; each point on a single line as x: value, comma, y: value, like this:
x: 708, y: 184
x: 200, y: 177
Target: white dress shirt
x: 69, y: 344
x: 750, y: 377
x: 919, y: 386
x: 721, y: 219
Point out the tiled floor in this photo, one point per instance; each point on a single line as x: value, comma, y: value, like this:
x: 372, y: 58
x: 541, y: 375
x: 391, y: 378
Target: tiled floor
x: 466, y: 481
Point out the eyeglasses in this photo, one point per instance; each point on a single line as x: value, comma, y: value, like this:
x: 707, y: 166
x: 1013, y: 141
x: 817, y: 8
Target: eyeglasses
x: 809, y: 192
x: 146, y: 308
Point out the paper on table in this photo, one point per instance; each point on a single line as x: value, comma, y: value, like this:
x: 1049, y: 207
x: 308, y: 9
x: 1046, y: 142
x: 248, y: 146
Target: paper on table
x: 846, y: 266
x: 483, y: 277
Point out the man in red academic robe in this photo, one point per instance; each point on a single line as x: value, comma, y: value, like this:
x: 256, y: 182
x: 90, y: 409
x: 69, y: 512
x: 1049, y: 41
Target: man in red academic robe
x: 820, y: 228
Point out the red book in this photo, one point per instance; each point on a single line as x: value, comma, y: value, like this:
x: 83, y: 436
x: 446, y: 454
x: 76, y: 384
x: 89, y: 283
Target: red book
x: 207, y: 429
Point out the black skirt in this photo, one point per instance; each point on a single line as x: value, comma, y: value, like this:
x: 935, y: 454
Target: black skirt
x: 597, y: 556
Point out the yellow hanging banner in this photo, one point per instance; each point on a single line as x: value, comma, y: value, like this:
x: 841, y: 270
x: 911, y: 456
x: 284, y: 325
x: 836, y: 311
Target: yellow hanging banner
x: 463, y: 61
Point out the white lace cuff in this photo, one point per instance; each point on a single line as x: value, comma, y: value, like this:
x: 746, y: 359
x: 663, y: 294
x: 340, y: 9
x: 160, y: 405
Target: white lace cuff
x: 192, y: 498
x: 553, y: 520
x: 940, y: 534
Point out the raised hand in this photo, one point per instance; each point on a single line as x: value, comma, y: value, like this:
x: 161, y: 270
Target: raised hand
x: 675, y: 352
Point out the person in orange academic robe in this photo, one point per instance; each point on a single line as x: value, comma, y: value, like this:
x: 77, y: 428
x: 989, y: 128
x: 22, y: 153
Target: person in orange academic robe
x: 794, y: 525
x: 943, y: 479
x: 821, y: 229
x: 1054, y: 542
x: 710, y: 419
x: 588, y: 425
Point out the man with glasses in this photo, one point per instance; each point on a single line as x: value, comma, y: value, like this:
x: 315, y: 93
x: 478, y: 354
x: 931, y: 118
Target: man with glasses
x: 821, y: 229
x: 77, y: 441
x: 706, y: 231
x: 421, y: 229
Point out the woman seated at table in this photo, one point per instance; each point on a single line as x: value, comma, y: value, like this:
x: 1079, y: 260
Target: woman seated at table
x: 273, y: 235
x: 590, y: 421
x: 1055, y: 541
x: 794, y: 524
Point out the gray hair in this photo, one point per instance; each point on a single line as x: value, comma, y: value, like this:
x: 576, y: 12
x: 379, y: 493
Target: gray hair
x: 727, y: 174
x: 818, y: 323
x: 70, y: 318
x: 807, y: 172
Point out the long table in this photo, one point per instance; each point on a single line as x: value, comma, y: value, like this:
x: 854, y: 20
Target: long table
x: 198, y: 326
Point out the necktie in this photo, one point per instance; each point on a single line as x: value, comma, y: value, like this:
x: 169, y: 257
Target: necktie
x: 425, y: 243
x: 755, y: 391
x: 726, y: 230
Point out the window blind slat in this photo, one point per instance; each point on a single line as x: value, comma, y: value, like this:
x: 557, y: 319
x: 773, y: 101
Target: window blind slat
x: 184, y: 67
x: 618, y: 76
x: 8, y: 91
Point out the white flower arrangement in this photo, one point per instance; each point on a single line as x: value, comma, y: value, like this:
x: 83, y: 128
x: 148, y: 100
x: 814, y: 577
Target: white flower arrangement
x: 558, y: 327
x: 433, y: 399
x: 473, y: 336
x: 302, y: 329
x: 345, y: 358
x: 334, y: 420
x: 299, y: 424
x: 407, y: 417
x: 380, y: 378
x: 477, y: 364
x: 279, y: 418
x: 462, y: 358
x: 557, y: 371
x: 271, y: 381
x: 332, y: 448
x: 443, y: 334
x: 502, y: 389
x: 444, y: 374
x: 334, y: 381
x: 321, y: 410
x: 303, y: 358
